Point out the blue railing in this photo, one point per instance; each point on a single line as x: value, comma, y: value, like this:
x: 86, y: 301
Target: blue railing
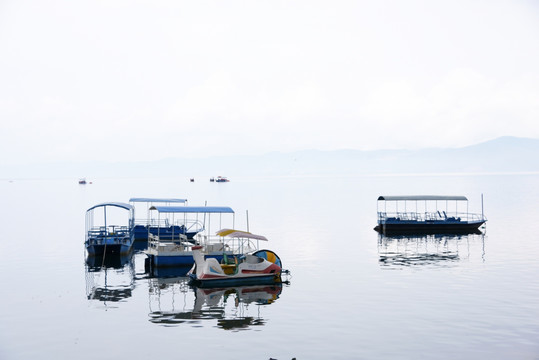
x: 428, y: 216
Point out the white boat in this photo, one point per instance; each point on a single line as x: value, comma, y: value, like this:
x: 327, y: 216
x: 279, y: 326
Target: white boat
x: 249, y: 268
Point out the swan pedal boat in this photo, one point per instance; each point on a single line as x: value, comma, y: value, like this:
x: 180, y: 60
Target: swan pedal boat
x: 246, y: 269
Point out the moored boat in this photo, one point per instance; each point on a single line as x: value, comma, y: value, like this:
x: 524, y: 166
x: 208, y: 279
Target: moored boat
x: 167, y: 228
x: 106, y: 237
x: 171, y: 251
x: 250, y: 268
x: 221, y: 179
x: 426, y: 214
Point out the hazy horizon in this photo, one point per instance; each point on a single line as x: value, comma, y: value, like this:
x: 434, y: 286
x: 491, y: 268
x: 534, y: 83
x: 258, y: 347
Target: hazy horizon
x: 502, y: 155
x: 513, y: 139
x: 140, y: 81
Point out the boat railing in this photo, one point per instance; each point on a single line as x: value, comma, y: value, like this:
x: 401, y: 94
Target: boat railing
x: 152, y: 222
x: 241, y: 246
x: 110, y: 230
x: 212, y: 243
x: 154, y: 241
x: 428, y: 216
x: 219, y: 243
x: 191, y: 225
x: 476, y: 217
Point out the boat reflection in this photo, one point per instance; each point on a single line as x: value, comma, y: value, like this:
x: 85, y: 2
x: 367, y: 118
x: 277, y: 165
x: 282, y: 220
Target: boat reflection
x: 166, y: 272
x: 423, y: 250
x: 109, y: 279
x: 233, y: 308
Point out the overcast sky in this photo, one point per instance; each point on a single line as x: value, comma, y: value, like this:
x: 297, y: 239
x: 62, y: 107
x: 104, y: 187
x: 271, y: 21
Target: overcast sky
x: 139, y: 80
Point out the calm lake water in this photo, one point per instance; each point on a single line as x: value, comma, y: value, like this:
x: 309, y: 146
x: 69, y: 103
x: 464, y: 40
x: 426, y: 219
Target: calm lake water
x: 352, y: 294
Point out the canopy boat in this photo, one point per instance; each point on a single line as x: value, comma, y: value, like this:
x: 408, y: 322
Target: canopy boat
x: 428, y: 214
x: 256, y: 268
x: 105, y: 237
x: 176, y: 250
x: 165, y: 227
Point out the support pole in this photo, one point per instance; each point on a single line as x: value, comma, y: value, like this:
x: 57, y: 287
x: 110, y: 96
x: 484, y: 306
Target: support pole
x: 482, y: 209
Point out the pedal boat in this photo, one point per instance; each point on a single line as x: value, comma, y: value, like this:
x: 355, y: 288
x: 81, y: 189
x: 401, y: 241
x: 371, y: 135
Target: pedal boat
x: 247, y: 269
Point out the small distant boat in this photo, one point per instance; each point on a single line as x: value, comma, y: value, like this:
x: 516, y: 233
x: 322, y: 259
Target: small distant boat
x: 426, y: 214
x: 82, y: 181
x: 221, y: 179
x: 104, y: 238
x: 257, y: 268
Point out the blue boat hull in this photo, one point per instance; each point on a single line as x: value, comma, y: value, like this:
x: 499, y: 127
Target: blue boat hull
x: 98, y: 246
x: 429, y: 227
x: 100, y: 250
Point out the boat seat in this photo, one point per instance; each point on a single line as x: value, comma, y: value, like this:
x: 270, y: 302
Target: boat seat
x: 229, y: 260
x: 252, y: 259
x: 229, y: 269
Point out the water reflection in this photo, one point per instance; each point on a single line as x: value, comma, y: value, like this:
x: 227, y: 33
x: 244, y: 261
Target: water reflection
x: 109, y: 279
x: 173, y: 302
x: 423, y: 250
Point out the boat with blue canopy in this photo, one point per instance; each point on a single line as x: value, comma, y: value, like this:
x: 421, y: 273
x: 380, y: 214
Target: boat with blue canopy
x: 164, y: 226
x: 427, y: 214
x: 176, y: 249
x: 109, y: 229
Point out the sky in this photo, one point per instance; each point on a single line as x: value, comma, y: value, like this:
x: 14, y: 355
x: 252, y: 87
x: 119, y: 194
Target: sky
x: 117, y: 80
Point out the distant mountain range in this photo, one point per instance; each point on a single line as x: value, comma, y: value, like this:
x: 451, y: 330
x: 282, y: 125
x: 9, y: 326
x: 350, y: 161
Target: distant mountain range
x: 505, y: 154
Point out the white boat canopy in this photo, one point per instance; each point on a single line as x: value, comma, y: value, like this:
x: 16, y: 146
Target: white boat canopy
x: 421, y: 198
x: 240, y: 234
x: 158, y: 200
x: 116, y: 204
x: 193, y: 209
